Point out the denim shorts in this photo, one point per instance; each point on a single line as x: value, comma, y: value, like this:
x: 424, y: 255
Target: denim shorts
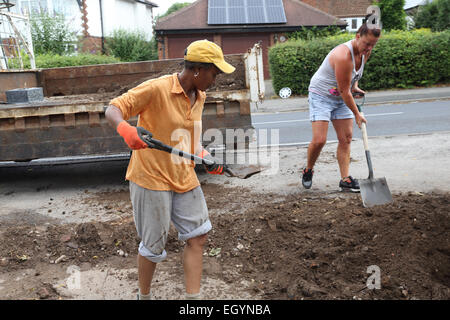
x: 154, y: 210
x: 326, y: 109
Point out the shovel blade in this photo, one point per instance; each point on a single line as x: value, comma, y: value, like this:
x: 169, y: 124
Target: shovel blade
x: 374, y: 192
x: 244, y: 172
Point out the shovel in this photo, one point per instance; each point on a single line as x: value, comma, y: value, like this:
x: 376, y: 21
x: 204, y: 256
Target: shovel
x: 242, y: 173
x: 373, y: 191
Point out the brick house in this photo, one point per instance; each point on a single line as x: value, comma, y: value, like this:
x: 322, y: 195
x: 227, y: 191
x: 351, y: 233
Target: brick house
x: 93, y: 20
x: 176, y: 31
x: 351, y: 11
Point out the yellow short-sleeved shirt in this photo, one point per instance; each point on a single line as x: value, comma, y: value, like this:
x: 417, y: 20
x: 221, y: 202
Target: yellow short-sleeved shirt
x: 164, y: 109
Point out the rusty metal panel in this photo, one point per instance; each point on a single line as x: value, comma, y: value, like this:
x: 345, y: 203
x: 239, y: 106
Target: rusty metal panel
x: 16, y: 79
x: 49, y: 107
x: 58, y: 135
x: 103, y: 78
x: 77, y: 130
x: 76, y: 125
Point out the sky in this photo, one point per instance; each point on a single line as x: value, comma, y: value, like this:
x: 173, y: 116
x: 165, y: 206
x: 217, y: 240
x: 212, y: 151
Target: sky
x: 163, y: 5
x: 412, y: 3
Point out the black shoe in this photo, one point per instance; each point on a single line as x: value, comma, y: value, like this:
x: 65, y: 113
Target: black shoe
x: 307, y: 178
x: 349, y: 184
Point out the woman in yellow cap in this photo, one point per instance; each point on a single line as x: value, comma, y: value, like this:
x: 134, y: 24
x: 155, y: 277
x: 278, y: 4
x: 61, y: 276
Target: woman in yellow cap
x: 165, y: 188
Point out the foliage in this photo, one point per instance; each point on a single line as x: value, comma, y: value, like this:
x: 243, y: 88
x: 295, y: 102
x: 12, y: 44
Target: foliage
x: 401, y: 59
x: 130, y: 46
x: 175, y: 7
x: 54, y: 61
x: 434, y: 15
x: 393, y: 17
x: 51, y: 34
x: 314, y: 32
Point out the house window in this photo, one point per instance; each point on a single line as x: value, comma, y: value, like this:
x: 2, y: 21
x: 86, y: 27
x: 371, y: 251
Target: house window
x: 33, y: 6
x: 354, y: 23
x: 65, y: 8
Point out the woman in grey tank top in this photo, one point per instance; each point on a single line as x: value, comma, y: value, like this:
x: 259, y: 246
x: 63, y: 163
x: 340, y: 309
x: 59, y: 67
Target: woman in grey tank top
x: 331, y: 99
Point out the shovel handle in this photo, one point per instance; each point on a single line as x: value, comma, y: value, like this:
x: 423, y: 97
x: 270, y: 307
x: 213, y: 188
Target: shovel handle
x: 147, y: 137
x: 366, y: 148
x: 364, y: 134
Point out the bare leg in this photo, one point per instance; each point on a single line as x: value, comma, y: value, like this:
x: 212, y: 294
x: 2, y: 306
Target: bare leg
x: 319, y: 138
x: 344, y: 132
x: 193, y: 263
x: 146, y: 269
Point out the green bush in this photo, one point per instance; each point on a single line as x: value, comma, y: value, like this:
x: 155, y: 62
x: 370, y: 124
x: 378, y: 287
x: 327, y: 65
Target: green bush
x: 401, y: 59
x: 56, y: 61
x: 131, y: 46
x: 314, y: 32
x: 51, y: 34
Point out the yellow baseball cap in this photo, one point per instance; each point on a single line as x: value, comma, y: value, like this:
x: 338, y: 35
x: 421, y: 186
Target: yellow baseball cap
x: 207, y: 52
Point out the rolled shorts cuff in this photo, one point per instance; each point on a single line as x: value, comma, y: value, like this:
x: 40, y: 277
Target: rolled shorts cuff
x: 347, y: 115
x: 204, y: 228
x: 314, y: 118
x: 143, y: 251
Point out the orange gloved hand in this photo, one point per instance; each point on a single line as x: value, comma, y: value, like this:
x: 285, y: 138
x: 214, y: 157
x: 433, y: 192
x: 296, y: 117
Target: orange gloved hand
x: 214, y: 168
x: 130, y: 135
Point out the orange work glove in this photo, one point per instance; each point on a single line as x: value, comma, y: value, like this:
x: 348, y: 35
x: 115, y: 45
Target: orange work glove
x: 214, y: 168
x: 130, y: 135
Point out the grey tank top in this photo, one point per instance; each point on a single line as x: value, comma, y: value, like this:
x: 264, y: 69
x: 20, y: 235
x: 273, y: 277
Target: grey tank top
x: 324, y: 81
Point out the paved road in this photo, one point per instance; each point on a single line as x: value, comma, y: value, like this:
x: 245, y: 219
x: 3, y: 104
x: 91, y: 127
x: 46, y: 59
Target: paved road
x: 393, y: 119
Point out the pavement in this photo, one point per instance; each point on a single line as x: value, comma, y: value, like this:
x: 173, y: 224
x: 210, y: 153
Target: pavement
x: 273, y: 103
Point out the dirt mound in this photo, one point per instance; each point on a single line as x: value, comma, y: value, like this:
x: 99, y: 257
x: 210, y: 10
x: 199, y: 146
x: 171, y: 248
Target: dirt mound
x: 26, y: 246
x: 321, y: 248
x: 303, y: 246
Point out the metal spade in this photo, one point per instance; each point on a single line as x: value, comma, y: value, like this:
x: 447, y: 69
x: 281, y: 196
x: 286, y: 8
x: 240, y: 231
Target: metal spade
x: 373, y: 191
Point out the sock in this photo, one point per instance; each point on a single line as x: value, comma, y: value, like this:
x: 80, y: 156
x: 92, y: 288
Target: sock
x: 143, y: 296
x: 193, y: 296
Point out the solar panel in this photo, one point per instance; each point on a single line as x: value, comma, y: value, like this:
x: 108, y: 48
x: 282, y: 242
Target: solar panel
x: 256, y: 15
x: 236, y: 3
x: 235, y: 15
x: 246, y: 11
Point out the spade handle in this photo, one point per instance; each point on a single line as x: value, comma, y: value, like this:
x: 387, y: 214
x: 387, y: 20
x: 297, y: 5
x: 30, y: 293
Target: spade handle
x: 366, y: 148
x: 364, y: 134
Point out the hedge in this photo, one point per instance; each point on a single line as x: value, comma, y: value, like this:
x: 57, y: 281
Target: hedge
x: 55, y: 61
x: 401, y: 59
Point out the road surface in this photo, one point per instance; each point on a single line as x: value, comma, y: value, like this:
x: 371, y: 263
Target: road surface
x: 383, y: 120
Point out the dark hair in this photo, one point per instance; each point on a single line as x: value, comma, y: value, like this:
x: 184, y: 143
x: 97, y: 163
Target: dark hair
x: 364, y: 29
x: 192, y: 65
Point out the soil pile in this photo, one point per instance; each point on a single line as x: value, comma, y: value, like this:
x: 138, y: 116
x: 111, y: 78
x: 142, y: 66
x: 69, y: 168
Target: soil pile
x: 303, y: 246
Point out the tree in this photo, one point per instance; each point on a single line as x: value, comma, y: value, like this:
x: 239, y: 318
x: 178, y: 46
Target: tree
x: 393, y: 17
x: 175, y: 7
x: 130, y: 46
x: 434, y: 15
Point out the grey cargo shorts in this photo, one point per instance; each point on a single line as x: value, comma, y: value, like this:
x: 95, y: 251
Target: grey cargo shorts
x: 154, y: 210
